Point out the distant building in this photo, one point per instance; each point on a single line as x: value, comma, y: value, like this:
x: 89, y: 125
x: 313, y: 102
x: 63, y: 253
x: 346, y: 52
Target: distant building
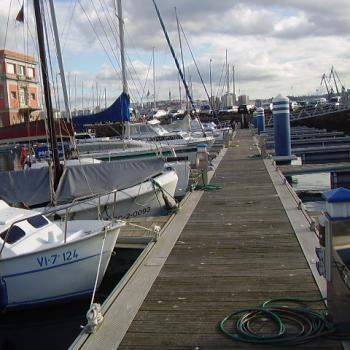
x: 243, y: 100
x: 227, y: 100
x: 19, y: 88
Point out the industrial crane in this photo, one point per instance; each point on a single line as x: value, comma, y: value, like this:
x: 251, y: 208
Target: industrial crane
x: 327, y: 85
x: 333, y: 75
x: 336, y: 78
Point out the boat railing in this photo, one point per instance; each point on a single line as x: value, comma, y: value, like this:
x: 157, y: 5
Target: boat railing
x: 84, y: 199
x: 66, y: 208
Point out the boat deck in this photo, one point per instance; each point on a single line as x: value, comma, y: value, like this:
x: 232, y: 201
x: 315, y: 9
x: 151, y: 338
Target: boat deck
x: 238, y: 249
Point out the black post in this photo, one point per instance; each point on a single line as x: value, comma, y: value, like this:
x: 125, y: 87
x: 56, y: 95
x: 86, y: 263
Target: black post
x: 47, y: 94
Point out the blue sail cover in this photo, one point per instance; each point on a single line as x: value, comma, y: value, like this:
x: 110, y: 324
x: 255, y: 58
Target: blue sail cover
x: 117, y: 112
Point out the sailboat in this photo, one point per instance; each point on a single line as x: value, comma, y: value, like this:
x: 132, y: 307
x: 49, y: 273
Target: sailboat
x: 145, y: 189
x: 40, y: 260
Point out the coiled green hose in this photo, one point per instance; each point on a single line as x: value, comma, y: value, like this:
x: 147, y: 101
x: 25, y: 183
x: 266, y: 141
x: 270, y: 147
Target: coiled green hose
x: 307, y: 324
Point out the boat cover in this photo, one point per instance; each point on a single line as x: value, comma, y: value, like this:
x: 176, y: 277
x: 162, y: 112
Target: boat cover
x: 89, y: 179
x: 32, y: 186
x: 116, y: 112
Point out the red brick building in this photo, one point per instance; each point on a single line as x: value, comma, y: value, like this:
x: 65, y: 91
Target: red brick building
x: 19, y: 88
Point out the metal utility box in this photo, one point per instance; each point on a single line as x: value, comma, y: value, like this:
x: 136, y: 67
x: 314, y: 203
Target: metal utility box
x: 336, y: 256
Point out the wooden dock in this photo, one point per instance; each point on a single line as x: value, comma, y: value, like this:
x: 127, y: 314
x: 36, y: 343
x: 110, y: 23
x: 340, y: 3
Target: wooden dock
x: 242, y: 245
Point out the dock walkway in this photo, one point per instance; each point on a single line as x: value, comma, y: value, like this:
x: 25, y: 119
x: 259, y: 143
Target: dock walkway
x: 237, y: 250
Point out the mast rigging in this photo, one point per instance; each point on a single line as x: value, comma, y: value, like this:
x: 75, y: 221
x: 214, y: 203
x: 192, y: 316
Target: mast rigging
x: 174, y: 56
x: 57, y: 168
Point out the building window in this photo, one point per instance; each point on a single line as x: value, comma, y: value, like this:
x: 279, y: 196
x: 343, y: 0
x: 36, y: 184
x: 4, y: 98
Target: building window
x: 10, y: 68
x: 1, y: 95
x: 23, y: 97
x: 13, y: 94
x: 20, y: 70
x: 32, y: 95
x: 30, y: 72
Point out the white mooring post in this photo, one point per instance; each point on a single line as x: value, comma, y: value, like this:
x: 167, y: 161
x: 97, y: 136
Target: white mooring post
x: 202, y: 162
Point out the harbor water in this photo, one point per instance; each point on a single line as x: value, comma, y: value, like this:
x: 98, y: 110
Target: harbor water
x: 309, y: 188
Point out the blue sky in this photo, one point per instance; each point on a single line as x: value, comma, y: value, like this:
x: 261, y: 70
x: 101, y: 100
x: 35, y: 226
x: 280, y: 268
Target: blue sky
x: 276, y: 46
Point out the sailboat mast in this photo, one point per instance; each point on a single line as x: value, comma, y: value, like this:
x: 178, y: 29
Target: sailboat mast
x: 154, y: 82
x: 60, y: 60
x: 210, y: 81
x: 180, y: 96
x: 47, y: 94
x: 233, y: 85
x: 227, y: 75
x: 181, y: 51
x: 174, y: 56
x: 122, y: 45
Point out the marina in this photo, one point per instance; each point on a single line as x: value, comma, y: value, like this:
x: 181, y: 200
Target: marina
x: 204, y: 255
x: 152, y: 204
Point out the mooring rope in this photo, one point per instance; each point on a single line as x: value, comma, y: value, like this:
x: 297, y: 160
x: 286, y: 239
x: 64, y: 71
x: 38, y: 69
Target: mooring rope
x: 94, y: 315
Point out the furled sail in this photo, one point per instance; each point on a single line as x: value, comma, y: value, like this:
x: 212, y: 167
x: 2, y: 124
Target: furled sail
x: 117, y: 112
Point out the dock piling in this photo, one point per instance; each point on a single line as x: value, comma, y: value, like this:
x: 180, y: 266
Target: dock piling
x: 281, y: 122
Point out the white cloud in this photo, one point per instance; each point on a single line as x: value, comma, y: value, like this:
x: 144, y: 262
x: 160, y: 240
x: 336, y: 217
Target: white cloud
x: 294, y: 27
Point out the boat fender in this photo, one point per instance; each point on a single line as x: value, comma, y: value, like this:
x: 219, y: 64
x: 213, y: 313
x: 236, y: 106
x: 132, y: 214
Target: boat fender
x: 3, y: 294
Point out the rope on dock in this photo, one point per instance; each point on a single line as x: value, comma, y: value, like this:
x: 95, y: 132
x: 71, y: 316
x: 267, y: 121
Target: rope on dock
x: 255, y: 156
x: 171, y: 207
x: 208, y: 187
x: 94, y: 315
x: 285, y: 324
x: 156, y: 230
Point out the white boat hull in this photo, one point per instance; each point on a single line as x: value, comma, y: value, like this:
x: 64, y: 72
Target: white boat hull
x: 145, y: 199
x: 59, y: 273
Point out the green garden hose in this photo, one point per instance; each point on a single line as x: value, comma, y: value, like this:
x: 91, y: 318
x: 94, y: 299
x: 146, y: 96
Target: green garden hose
x: 287, y: 324
x: 208, y: 187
